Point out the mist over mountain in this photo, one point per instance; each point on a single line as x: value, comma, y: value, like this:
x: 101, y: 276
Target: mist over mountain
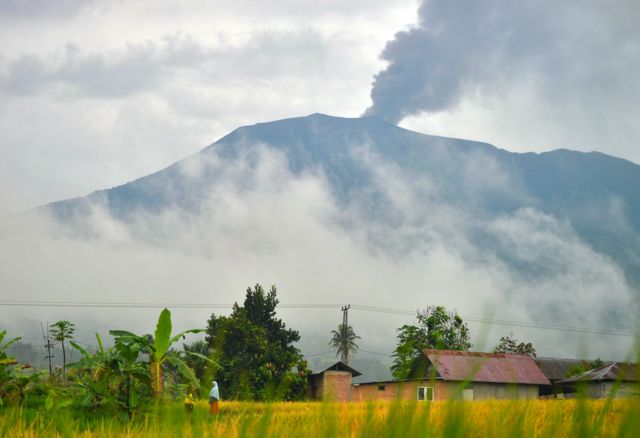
x: 594, y: 195
x: 337, y: 210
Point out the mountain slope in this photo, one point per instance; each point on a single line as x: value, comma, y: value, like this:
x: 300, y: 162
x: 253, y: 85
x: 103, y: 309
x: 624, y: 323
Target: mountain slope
x: 595, y: 195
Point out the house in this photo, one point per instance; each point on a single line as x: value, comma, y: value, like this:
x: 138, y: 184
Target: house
x: 616, y: 379
x: 446, y: 374
x: 556, y: 369
x: 332, y: 383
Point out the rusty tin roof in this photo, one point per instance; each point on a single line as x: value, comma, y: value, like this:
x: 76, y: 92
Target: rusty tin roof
x: 557, y: 368
x: 486, y: 367
x: 625, y: 372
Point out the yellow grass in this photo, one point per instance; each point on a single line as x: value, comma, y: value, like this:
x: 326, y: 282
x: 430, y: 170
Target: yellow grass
x: 541, y: 418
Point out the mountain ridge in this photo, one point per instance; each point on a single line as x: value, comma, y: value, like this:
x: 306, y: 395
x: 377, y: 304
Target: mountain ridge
x: 321, y: 115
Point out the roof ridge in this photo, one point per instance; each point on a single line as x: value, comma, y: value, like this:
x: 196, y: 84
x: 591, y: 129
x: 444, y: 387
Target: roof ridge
x: 428, y: 351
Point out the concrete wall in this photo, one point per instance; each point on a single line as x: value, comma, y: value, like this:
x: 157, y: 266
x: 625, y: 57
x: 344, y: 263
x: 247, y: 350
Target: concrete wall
x: 605, y: 389
x: 500, y: 391
x: 399, y: 390
x: 443, y: 391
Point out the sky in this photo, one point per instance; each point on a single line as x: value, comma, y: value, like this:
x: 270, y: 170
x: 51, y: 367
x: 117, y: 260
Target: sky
x: 94, y: 94
x: 97, y: 93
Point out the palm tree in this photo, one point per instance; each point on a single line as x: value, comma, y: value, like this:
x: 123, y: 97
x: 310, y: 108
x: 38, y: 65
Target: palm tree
x: 62, y: 331
x: 343, y: 340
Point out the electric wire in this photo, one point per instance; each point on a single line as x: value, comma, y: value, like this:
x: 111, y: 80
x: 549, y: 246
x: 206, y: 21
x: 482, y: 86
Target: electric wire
x: 374, y: 352
x: 312, y: 306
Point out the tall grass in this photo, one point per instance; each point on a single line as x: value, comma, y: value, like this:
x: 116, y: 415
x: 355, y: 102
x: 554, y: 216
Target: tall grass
x: 499, y: 418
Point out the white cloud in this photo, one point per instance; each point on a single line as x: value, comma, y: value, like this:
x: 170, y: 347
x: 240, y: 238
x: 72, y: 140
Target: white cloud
x: 261, y: 223
x: 90, y: 107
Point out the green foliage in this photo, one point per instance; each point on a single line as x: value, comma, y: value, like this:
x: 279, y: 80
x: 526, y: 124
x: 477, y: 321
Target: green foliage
x: 344, y: 341
x: 16, y: 380
x: 509, y: 345
x: 6, y: 361
x: 23, y: 380
x: 584, y: 366
x: 114, y: 379
x: 436, y: 328
x: 162, y: 338
x: 197, y: 356
x: 255, y: 350
x: 62, y: 331
x: 7, y: 364
x: 158, y: 350
x: 4, y: 357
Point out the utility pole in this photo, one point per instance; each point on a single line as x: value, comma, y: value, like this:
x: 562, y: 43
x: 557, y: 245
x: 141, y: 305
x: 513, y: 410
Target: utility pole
x: 345, y: 327
x: 345, y: 315
x: 48, y: 345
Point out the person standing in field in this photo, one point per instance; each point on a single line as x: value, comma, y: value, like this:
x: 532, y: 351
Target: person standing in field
x: 214, y: 398
x: 188, y: 403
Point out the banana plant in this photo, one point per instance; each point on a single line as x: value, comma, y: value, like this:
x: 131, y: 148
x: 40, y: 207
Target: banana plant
x: 5, y: 359
x: 159, y: 349
x: 22, y: 381
x: 113, y: 377
x: 6, y: 364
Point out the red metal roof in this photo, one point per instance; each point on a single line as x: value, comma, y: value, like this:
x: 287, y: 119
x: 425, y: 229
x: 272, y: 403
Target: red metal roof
x: 486, y: 367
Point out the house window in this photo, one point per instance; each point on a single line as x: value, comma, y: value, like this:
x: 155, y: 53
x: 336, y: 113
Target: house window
x: 425, y: 393
x: 381, y: 388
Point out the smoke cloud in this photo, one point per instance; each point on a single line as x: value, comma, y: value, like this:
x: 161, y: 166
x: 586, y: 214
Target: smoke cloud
x: 573, y: 54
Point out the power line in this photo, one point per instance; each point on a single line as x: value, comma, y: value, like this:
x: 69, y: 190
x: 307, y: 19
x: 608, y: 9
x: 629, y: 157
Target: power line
x: 322, y: 353
x: 374, y: 352
x: 319, y: 354
x: 33, y: 338
x: 476, y: 319
x: 314, y: 306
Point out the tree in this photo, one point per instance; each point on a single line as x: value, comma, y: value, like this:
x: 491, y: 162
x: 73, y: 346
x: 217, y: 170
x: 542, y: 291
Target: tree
x: 14, y: 382
x: 509, y: 344
x: 62, y: 331
x: 158, y: 349
x: 5, y: 359
x: 343, y: 340
x: 255, y: 350
x: 6, y: 364
x: 198, y: 363
x: 584, y: 366
x: 436, y: 329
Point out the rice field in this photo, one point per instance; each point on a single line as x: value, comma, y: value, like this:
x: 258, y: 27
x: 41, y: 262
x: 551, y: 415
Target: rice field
x: 537, y: 418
